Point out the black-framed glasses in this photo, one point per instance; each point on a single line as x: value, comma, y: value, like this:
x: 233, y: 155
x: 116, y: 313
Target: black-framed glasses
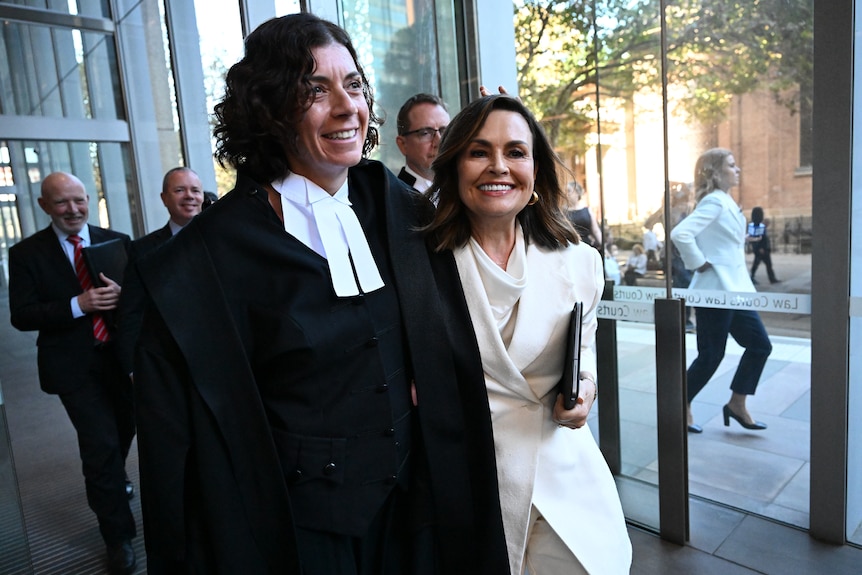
x: 427, y: 133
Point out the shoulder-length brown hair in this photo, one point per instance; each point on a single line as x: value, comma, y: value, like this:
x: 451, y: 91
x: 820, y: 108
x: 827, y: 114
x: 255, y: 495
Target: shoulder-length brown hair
x: 268, y: 92
x: 544, y: 222
x: 706, y: 170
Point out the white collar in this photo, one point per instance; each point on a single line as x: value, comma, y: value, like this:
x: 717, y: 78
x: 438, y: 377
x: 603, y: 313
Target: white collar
x: 84, y: 234
x: 303, y: 192
x: 503, y: 287
x: 422, y: 183
x: 328, y: 225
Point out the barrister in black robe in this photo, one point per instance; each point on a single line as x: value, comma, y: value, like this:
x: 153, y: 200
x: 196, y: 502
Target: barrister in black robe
x: 284, y: 428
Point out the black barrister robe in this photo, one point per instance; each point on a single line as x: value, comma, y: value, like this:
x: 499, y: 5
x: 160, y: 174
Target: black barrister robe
x: 213, y: 493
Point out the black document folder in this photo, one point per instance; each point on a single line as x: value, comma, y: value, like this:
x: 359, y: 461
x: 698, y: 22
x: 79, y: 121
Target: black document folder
x: 109, y: 258
x: 570, y: 381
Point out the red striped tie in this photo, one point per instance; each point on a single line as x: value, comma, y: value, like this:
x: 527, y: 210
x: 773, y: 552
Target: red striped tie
x: 100, y: 329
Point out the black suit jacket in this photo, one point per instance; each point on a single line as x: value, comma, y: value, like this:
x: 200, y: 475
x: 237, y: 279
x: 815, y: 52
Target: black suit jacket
x: 204, y: 438
x: 131, y: 311
x: 406, y: 177
x: 41, y: 284
x: 150, y: 242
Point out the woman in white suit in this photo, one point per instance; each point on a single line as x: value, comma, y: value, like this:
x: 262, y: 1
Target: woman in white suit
x: 510, y: 268
x: 711, y: 241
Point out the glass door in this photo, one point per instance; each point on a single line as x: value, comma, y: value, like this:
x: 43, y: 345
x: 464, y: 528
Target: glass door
x: 739, y: 77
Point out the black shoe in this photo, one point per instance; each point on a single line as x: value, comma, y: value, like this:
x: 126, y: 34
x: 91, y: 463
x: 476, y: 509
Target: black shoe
x: 728, y: 413
x: 130, y: 489
x: 694, y: 428
x: 121, y: 558
x: 774, y: 281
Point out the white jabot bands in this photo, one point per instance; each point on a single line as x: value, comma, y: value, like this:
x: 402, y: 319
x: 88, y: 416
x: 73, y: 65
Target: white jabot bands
x: 339, y: 234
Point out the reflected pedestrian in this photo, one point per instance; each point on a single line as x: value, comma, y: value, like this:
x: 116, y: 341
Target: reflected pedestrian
x: 758, y: 237
x: 636, y: 266
x: 711, y: 241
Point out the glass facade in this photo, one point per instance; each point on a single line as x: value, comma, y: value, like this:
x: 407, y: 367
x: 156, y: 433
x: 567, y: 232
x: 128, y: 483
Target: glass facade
x: 59, y: 72
x: 97, y: 8
x: 405, y: 48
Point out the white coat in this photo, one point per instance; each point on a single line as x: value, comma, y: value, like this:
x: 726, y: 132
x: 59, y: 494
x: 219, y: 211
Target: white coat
x: 559, y: 470
x: 714, y: 232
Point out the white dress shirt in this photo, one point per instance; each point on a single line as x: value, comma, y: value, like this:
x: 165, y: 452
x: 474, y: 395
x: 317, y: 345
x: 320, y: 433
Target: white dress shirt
x: 69, y: 250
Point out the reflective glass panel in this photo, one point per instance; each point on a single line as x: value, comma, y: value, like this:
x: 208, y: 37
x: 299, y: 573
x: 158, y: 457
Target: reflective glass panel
x: 739, y: 77
x: 58, y: 72
x: 750, y: 93
x: 854, y: 451
x: 97, y: 8
x: 221, y: 46
x: 397, y: 44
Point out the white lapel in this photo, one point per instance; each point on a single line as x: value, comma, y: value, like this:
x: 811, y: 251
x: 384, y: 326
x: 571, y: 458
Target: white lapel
x: 496, y: 362
x: 542, y: 310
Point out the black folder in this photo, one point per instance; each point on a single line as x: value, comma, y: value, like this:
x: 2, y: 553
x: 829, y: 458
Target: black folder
x: 109, y: 258
x: 570, y: 382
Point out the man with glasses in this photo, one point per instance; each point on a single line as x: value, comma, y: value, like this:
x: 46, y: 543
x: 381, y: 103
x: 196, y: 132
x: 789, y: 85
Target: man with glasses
x: 421, y: 123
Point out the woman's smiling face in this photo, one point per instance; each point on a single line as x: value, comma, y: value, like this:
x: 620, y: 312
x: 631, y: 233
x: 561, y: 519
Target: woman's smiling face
x: 332, y: 131
x: 496, y: 171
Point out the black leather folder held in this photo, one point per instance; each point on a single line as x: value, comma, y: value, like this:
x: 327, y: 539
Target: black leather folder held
x: 570, y: 382
x: 109, y: 258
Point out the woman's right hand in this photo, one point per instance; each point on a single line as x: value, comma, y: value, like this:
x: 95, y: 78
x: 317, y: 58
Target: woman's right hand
x: 576, y: 417
x: 704, y: 267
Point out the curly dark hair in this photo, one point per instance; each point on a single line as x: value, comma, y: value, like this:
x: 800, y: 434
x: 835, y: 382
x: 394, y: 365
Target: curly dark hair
x: 268, y: 92
x: 544, y: 222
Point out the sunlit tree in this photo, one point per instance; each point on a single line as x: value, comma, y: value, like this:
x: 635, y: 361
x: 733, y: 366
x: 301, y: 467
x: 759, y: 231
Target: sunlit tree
x: 716, y: 49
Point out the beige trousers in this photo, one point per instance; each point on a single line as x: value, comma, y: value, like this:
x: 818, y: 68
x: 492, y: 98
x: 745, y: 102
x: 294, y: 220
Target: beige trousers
x: 546, y: 552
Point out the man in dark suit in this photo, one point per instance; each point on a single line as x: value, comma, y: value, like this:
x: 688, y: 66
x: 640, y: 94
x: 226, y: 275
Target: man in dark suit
x: 421, y: 123
x: 51, y: 291
x: 183, y: 196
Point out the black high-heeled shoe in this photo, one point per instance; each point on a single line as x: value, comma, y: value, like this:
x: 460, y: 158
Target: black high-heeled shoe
x: 728, y: 413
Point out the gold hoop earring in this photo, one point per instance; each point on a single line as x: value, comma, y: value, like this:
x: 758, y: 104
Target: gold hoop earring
x: 534, y: 199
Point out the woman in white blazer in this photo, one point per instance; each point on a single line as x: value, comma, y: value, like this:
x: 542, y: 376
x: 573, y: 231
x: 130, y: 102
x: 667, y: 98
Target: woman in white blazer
x: 510, y: 268
x: 711, y: 241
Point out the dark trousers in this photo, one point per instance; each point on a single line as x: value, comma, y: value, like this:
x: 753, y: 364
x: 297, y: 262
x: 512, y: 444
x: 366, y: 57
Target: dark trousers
x: 681, y: 278
x: 630, y: 278
x: 383, y: 550
x: 103, y: 416
x: 713, y: 327
x: 765, y: 257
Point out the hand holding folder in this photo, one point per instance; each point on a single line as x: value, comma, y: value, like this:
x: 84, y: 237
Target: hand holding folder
x: 570, y: 382
x: 108, y: 258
